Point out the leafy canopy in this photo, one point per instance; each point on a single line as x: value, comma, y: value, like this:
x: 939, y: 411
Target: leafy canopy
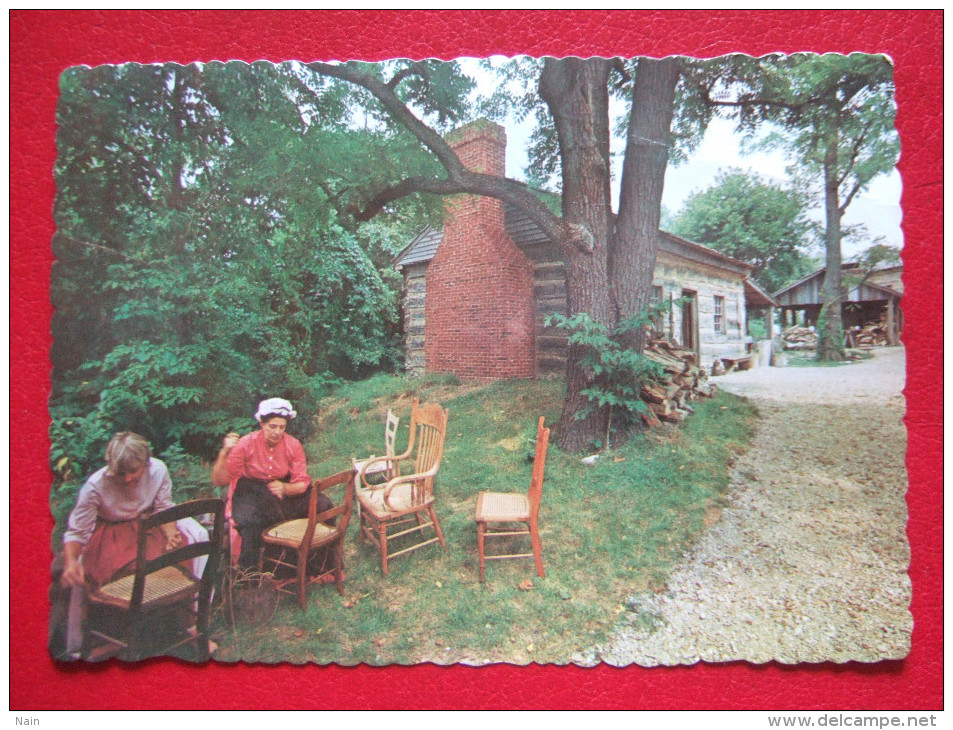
x: 753, y: 220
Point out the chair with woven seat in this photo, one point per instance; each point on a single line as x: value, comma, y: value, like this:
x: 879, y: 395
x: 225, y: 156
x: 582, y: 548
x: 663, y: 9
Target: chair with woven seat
x: 383, y: 466
x: 290, y: 546
x: 501, y: 514
x: 119, y: 611
x: 407, y: 497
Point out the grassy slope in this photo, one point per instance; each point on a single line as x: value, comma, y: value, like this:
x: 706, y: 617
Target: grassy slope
x: 607, y: 531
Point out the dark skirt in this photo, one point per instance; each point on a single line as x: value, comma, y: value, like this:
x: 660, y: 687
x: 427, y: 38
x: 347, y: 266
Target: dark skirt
x: 255, y: 508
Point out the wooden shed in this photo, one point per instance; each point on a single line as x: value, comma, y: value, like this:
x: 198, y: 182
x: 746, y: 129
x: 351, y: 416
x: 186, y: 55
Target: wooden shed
x: 866, y: 301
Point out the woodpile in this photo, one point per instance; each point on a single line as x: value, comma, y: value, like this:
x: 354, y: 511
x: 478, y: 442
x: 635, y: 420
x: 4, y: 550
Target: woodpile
x: 799, y: 338
x: 872, y: 334
x: 683, y: 380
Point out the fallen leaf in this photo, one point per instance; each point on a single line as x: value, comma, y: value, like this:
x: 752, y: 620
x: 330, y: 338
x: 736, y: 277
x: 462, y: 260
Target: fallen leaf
x: 530, y: 647
x: 617, y: 459
x: 299, y: 633
x: 526, y: 585
x: 350, y: 603
x: 438, y: 584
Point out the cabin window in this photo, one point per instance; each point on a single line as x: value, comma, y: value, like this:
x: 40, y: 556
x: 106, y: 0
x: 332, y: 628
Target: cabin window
x: 720, y: 314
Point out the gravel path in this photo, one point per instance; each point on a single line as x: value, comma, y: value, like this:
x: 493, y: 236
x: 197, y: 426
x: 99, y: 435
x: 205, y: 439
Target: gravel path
x: 808, y: 562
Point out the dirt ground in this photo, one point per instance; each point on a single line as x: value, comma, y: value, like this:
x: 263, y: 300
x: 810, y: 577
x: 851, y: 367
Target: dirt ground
x: 808, y: 562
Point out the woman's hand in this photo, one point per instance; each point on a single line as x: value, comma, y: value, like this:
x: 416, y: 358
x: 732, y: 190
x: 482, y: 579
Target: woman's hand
x: 220, y: 467
x: 73, y: 574
x: 173, y: 538
x: 277, y: 488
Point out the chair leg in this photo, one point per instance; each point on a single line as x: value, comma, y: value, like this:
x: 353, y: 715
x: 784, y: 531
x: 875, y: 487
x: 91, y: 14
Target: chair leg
x: 339, y: 566
x: 382, y: 537
x: 436, y: 525
x: 481, y: 534
x: 537, y: 549
x: 302, y: 570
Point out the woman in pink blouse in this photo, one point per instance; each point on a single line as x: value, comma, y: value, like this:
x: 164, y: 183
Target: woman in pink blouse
x: 267, y: 477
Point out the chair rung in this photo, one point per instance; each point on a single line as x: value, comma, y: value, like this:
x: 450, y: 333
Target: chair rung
x: 418, y: 528
x: 504, y: 534
x: 507, y: 557
x: 412, y: 547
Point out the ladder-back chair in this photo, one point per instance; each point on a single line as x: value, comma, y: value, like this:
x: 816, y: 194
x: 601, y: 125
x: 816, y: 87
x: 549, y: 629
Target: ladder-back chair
x: 289, y: 546
x: 407, y: 497
x: 383, y: 467
x: 506, y: 515
x: 120, y: 611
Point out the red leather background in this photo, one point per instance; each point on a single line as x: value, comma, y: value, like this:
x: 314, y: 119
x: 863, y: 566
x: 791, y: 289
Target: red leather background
x: 45, y: 42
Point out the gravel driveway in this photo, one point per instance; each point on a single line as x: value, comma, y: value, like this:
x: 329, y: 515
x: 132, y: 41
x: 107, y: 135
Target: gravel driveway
x: 808, y: 562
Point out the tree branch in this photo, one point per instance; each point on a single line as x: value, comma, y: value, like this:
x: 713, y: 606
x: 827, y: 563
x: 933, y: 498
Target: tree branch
x: 459, y: 179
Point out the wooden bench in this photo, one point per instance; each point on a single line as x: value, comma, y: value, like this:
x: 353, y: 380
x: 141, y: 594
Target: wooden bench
x: 744, y: 362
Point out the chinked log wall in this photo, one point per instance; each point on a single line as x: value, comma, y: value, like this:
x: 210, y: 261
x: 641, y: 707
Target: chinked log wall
x: 549, y: 289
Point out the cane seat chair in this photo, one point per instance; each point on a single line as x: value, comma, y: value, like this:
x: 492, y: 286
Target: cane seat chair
x: 507, y: 515
x: 383, y: 466
x: 121, y: 610
x: 404, y: 504
x: 288, y: 548
x: 382, y: 469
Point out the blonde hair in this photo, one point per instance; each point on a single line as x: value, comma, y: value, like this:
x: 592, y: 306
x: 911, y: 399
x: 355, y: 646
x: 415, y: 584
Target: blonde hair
x: 126, y: 453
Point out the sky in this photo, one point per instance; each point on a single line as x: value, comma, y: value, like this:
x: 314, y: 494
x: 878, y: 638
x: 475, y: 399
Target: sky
x: 878, y: 208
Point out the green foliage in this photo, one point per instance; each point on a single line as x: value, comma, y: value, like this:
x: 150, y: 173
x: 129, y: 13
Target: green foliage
x: 757, y: 328
x: 618, y: 371
x: 205, y: 253
x: 750, y: 219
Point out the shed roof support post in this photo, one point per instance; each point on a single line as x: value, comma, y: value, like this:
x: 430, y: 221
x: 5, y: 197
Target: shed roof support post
x: 891, y: 323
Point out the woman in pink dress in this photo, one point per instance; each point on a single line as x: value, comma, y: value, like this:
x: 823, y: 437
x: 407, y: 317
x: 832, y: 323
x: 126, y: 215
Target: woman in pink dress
x: 267, y: 477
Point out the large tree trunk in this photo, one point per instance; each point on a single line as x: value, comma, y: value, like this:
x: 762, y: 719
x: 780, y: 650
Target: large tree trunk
x: 830, y: 336
x: 576, y: 92
x: 634, y: 242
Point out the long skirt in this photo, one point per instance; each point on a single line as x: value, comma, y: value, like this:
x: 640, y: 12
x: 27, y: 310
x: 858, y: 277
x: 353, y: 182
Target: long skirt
x: 254, y: 508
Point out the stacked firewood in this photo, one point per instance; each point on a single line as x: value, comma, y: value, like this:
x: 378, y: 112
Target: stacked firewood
x: 799, y: 338
x: 683, y: 380
x: 872, y: 334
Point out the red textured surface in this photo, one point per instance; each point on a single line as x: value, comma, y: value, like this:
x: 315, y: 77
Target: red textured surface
x: 44, y: 43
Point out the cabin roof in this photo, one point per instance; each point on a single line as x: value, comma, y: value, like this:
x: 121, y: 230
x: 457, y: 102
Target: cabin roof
x: 525, y: 233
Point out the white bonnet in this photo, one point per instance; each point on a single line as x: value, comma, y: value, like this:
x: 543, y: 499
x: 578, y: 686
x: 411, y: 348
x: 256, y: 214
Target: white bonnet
x: 275, y: 407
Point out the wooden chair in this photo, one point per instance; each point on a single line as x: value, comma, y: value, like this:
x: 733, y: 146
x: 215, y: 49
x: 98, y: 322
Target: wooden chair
x: 290, y: 545
x: 497, y: 514
x: 120, y: 610
x: 407, y: 497
x: 381, y: 469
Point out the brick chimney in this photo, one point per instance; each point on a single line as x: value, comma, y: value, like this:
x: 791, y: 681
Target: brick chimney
x: 480, y: 321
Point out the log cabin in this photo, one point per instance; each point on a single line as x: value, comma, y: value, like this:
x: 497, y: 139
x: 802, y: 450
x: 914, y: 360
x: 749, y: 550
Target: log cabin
x: 478, y: 290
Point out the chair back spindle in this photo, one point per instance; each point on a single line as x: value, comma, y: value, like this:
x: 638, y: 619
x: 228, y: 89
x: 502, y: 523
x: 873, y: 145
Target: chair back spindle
x: 539, y: 467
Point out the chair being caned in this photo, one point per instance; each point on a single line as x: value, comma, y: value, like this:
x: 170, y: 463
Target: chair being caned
x: 497, y: 514
x: 406, y: 498
x: 120, y: 609
x: 290, y: 545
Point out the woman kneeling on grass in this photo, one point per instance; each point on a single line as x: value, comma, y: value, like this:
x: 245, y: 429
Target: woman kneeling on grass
x: 267, y: 478
x: 102, y: 532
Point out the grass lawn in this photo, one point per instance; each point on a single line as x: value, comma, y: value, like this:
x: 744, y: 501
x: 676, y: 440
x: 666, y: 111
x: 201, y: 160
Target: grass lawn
x: 607, y: 531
